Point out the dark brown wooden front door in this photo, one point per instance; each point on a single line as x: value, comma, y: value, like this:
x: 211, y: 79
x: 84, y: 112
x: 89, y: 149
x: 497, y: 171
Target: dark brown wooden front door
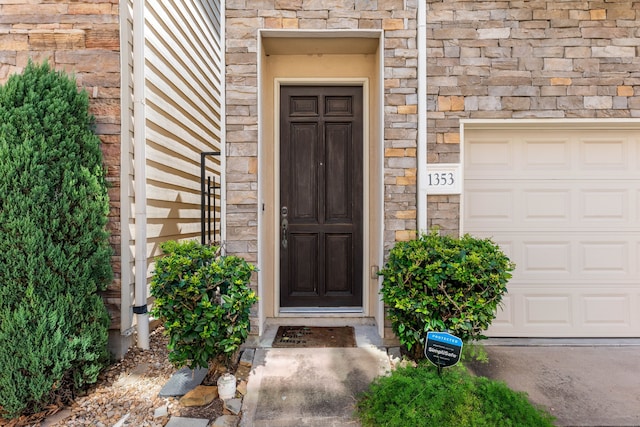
x: 321, y: 196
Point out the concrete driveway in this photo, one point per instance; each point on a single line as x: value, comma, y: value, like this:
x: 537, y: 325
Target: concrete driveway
x: 580, y: 384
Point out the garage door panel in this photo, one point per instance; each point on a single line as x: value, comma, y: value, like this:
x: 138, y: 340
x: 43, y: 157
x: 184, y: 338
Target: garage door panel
x: 605, y: 204
x: 564, y: 205
x: 570, y: 256
x: 605, y: 154
x: 504, y: 314
x: 604, y: 257
x: 595, y: 205
x: 551, y: 155
x: 584, y: 311
x: 546, y: 154
x: 547, y: 257
x: 546, y: 205
x: 603, y: 310
x: 495, y: 204
x: 489, y: 154
x: 554, y: 310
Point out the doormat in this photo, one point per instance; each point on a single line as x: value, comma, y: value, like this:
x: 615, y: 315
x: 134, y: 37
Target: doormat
x: 312, y: 336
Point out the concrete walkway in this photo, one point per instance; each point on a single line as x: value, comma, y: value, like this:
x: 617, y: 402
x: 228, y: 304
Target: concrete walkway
x: 311, y: 386
x: 580, y: 382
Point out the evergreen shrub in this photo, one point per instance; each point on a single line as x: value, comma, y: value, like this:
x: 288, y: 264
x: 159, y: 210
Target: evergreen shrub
x: 204, y: 300
x: 441, y: 283
x: 54, y: 249
x: 419, y: 397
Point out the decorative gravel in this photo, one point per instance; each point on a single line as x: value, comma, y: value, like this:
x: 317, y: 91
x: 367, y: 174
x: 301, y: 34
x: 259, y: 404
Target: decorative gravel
x: 126, y: 394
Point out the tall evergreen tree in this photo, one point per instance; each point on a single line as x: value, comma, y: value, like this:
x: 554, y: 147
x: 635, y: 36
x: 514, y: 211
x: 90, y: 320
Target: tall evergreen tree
x: 54, y: 247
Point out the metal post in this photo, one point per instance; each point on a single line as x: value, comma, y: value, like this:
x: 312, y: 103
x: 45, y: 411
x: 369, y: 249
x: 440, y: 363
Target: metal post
x: 209, y: 209
x: 202, y: 173
x: 203, y: 157
x: 215, y: 187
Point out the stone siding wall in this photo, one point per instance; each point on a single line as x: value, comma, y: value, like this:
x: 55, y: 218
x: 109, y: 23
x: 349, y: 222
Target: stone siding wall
x: 522, y: 60
x: 398, y: 20
x: 81, y: 38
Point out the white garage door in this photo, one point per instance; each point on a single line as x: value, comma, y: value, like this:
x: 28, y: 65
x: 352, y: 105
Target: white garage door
x: 564, y: 204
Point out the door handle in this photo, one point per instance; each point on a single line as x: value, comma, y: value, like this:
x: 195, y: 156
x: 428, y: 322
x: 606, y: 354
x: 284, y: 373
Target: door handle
x: 284, y: 226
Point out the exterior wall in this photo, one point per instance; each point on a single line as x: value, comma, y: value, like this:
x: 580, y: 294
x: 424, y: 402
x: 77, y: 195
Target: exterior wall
x: 242, y: 22
x: 183, y: 111
x: 121, y: 342
x: 520, y: 60
x: 486, y: 60
x: 81, y: 38
x: 183, y: 114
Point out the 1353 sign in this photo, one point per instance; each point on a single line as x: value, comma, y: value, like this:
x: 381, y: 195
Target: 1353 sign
x: 443, y: 178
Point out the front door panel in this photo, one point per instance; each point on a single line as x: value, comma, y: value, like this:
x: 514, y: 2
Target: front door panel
x: 321, y: 196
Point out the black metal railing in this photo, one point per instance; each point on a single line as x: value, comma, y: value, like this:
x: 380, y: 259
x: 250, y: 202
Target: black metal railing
x: 209, y: 232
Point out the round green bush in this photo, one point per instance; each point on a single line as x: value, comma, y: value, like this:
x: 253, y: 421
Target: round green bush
x: 204, y: 301
x: 54, y: 249
x: 441, y: 283
x: 419, y: 397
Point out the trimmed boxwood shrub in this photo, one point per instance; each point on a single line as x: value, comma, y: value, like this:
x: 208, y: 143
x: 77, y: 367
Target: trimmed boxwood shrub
x: 54, y: 249
x: 441, y: 283
x: 204, y: 300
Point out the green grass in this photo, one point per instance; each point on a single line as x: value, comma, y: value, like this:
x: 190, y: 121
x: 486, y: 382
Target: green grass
x: 417, y: 397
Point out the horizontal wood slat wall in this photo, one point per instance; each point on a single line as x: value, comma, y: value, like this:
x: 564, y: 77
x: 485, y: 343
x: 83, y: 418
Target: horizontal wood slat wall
x: 183, y: 113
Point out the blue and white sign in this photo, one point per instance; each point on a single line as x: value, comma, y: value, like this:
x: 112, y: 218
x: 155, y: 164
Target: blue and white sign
x: 443, y: 349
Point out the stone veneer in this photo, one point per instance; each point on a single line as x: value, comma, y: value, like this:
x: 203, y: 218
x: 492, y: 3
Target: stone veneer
x: 81, y: 38
x: 486, y: 59
x: 525, y: 59
x: 398, y: 20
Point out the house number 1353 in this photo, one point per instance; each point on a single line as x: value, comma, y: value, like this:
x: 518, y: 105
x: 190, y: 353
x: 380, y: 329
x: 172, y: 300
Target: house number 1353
x: 442, y: 178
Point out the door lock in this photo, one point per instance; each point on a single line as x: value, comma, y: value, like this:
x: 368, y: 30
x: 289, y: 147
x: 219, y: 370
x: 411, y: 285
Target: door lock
x: 284, y: 226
